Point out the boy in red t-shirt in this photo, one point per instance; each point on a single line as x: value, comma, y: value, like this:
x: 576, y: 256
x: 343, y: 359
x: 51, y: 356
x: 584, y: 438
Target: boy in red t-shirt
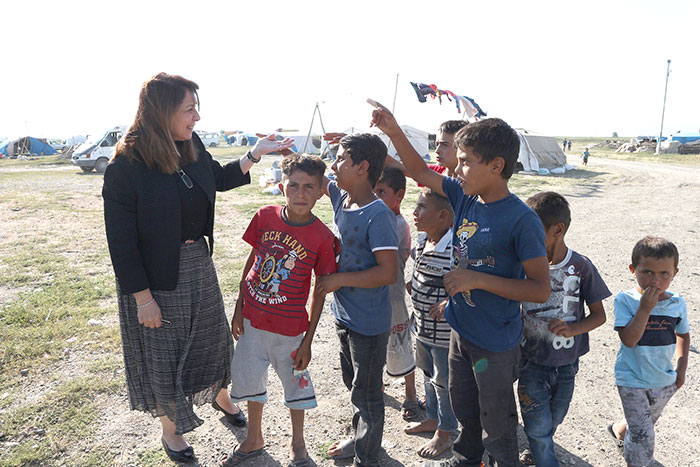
x: 271, y: 323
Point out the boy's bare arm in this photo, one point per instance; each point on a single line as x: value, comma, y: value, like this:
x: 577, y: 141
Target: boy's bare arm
x: 303, y: 356
x: 595, y: 319
x: 632, y: 333
x: 414, y: 163
x: 237, y: 320
x: 534, y: 288
x: 384, y: 273
x: 682, y: 350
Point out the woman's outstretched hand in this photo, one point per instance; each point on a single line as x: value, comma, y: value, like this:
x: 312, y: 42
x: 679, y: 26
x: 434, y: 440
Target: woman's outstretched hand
x: 269, y: 143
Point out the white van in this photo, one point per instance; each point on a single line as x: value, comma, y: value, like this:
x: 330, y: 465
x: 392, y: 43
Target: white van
x: 96, y: 152
x: 208, y: 139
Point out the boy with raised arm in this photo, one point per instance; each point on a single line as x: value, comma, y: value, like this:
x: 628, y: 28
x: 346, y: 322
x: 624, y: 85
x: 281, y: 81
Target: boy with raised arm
x: 366, y: 228
x: 500, y: 260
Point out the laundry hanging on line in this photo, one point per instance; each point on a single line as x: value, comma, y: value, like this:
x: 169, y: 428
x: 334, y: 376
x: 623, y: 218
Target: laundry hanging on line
x: 469, y: 105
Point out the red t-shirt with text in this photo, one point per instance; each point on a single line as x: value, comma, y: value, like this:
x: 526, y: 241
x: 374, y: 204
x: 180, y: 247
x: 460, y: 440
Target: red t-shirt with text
x: 277, y: 286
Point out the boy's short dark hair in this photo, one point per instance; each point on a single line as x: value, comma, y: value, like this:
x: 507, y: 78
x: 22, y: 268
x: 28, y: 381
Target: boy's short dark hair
x: 552, y: 208
x: 366, y: 147
x: 312, y: 165
x: 394, y: 178
x: 441, y: 202
x: 491, y: 138
x: 654, y: 247
x: 451, y: 127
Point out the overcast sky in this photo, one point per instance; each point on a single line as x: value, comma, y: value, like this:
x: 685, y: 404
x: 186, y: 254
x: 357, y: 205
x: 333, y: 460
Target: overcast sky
x: 560, y: 68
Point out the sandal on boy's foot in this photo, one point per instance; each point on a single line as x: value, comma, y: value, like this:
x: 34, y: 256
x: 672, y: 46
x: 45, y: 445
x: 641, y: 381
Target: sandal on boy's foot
x: 236, y: 456
x: 619, y: 443
x: 235, y: 419
x: 347, y: 449
x: 409, y: 411
x: 184, y: 456
x: 305, y: 462
x: 526, y: 457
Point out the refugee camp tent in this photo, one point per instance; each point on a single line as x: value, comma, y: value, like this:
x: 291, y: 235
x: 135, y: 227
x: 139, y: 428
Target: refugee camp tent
x: 419, y: 139
x: 26, y: 145
x: 313, y: 146
x: 539, y: 151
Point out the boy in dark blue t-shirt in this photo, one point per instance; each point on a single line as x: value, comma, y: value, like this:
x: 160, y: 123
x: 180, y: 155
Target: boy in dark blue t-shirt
x: 500, y: 260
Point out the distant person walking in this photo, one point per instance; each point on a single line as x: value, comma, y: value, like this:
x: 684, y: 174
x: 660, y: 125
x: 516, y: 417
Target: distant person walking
x: 563, y: 145
x: 568, y: 145
x: 159, y: 193
x: 585, y: 155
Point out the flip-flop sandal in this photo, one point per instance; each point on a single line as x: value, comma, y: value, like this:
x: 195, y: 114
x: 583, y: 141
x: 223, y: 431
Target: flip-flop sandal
x: 347, y: 449
x: 619, y: 443
x: 409, y: 411
x: 305, y: 462
x: 235, y: 456
x: 526, y: 457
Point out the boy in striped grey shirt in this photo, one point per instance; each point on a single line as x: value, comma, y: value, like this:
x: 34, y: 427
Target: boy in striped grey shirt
x: 433, y: 217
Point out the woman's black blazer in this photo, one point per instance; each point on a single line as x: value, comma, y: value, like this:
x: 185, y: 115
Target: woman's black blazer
x: 143, y: 217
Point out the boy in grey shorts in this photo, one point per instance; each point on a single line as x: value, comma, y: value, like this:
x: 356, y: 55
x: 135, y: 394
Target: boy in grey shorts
x: 652, y: 324
x: 271, y: 323
x: 400, y: 359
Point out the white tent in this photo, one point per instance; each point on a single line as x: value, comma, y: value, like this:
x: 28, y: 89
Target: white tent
x: 313, y: 146
x: 539, y: 151
x: 419, y: 139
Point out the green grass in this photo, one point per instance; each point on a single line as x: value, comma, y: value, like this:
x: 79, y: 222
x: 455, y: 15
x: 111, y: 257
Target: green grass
x: 67, y: 417
x: 35, y: 161
x: 675, y: 159
x: 55, y: 275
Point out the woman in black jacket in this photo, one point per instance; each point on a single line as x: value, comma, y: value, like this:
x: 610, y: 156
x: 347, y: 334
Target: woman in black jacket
x: 159, y: 193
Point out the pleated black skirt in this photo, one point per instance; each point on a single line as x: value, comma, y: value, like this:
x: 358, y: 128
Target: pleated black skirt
x: 186, y: 361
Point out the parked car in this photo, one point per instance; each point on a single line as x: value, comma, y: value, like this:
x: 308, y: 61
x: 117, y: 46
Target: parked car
x: 96, y: 152
x: 209, y: 139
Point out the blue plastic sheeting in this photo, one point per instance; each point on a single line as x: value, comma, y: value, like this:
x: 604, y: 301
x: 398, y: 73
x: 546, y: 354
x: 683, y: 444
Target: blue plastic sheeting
x: 685, y: 137
x: 36, y: 147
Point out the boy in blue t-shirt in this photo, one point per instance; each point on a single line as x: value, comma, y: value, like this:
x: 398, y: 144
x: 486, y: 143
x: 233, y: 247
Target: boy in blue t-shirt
x: 500, y: 260
x: 555, y: 333
x: 652, y: 324
x: 369, y: 261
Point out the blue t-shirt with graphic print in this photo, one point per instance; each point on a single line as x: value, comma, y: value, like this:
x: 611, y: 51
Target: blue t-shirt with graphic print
x: 649, y: 364
x: 362, y: 231
x: 493, y: 238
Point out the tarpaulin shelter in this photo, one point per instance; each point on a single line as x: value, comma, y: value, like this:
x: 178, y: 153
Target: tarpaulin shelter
x: 684, y: 138
x: 539, y: 151
x: 26, y: 145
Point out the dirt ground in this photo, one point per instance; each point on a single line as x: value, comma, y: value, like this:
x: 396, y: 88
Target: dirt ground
x: 610, y: 212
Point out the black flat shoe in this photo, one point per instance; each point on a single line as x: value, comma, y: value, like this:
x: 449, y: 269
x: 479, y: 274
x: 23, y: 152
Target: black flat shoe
x: 235, y: 419
x: 184, y: 456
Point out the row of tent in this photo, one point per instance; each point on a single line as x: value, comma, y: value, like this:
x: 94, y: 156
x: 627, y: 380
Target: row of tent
x: 26, y: 145
x: 536, y: 151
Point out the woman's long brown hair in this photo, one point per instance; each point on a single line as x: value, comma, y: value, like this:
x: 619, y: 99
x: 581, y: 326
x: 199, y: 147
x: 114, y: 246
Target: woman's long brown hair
x: 149, y: 138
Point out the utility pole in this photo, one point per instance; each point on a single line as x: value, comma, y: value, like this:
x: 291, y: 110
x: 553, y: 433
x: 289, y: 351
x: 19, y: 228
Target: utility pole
x: 663, y: 110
